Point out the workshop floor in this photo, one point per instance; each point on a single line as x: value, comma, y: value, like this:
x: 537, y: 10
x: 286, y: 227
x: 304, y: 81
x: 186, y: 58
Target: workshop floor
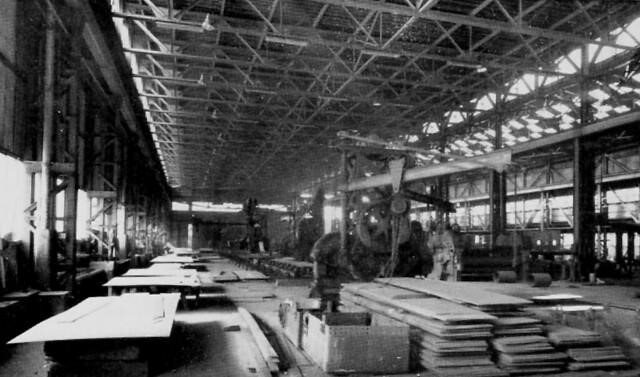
x: 205, y: 341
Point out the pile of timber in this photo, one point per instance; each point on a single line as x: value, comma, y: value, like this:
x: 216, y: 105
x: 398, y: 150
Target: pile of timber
x: 585, y: 350
x: 447, y: 338
x: 529, y: 354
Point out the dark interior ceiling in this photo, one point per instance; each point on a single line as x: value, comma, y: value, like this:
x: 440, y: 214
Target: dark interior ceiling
x: 246, y: 97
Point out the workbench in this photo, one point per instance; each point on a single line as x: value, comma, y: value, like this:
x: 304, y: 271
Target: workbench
x: 183, y: 284
x: 184, y: 252
x: 172, y: 259
x: 145, y: 272
x: 105, y: 336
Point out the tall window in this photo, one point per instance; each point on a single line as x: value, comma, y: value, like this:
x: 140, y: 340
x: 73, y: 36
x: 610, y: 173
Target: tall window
x: 13, y: 198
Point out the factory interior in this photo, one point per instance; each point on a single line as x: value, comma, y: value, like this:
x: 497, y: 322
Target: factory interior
x: 308, y: 188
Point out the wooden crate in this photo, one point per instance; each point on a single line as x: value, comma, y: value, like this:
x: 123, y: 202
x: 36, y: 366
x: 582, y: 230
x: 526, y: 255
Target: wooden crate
x: 340, y: 342
x: 291, y: 314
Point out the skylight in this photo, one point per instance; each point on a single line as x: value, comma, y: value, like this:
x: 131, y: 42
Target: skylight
x: 515, y: 124
x: 544, y: 113
x: 569, y: 64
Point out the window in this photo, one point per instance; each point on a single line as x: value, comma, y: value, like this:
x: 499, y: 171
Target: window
x: 13, y: 198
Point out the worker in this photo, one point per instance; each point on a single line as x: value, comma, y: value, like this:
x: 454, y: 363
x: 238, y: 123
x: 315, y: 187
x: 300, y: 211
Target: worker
x: 328, y: 269
x: 413, y: 258
x: 441, y: 246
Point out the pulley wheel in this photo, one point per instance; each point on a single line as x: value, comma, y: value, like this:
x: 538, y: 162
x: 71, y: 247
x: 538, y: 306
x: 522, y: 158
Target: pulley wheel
x: 399, y: 205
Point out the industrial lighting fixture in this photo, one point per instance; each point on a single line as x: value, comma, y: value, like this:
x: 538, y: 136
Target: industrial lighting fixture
x: 462, y: 64
x: 287, y: 40
x: 376, y: 103
x: 259, y: 91
x: 381, y: 53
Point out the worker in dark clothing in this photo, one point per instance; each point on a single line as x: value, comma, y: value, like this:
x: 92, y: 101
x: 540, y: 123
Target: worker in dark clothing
x: 413, y: 259
x: 326, y: 267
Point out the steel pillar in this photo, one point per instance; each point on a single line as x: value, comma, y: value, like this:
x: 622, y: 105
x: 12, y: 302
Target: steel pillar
x: 584, y: 188
x: 497, y: 188
x: 43, y: 258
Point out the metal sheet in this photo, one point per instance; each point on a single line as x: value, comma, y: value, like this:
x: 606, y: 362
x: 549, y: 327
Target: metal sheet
x: 127, y: 317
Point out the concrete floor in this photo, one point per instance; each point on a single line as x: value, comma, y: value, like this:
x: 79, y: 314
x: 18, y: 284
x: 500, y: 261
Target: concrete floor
x: 200, y: 345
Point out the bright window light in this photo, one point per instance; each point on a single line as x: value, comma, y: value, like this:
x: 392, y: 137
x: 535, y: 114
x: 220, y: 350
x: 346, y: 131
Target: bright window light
x: 565, y: 66
x: 430, y: 128
x: 461, y: 143
x: 13, y: 198
x: 601, y: 115
x: 280, y: 207
x: 544, y: 113
x: 534, y: 128
x: 598, y: 94
x: 486, y: 102
x: 82, y: 217
x: 622, y: 89
x: 603, y: 108
x: 621, y: 109
x: 456, y: 117
x: 607, y: 52
x: 178, y: 206
x: 515, y: 124
x: 561, y: 108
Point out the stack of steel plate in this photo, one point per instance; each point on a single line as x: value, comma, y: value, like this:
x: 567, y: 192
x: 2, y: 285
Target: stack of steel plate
x: 447, y: 338
x: 585, y: 350
x: 529, y: 354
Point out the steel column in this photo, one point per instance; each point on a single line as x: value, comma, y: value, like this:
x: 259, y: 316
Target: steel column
x: 497, y: 186
x: 584, y: 184
x: 43, y: 258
